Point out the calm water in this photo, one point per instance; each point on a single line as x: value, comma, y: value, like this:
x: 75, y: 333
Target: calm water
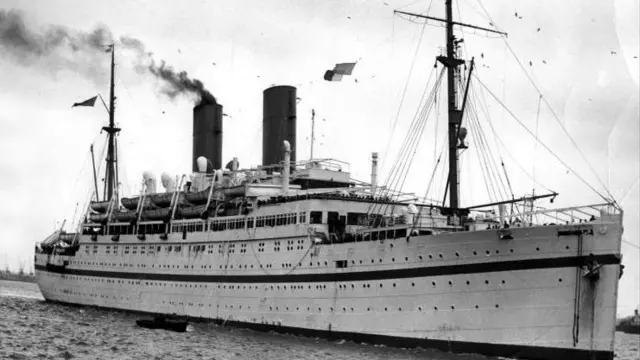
x: 33, y: 329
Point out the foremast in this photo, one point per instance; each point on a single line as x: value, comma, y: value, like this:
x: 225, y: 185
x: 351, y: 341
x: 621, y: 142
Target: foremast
x: 452, y: 63
x: 111, y: 172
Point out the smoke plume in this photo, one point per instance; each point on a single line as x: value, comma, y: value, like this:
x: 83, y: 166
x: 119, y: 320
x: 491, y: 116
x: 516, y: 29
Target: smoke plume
x: 176, y: 82
x: 57, y: 48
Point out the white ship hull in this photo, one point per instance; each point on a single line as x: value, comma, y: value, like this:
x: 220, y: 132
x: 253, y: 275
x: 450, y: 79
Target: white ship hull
x: 531, y: 296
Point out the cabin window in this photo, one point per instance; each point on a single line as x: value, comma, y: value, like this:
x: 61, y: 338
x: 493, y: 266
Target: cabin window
x: 341, y: 264
x: 315, y: 217
x: 303, y: 218
x: 250, y: 223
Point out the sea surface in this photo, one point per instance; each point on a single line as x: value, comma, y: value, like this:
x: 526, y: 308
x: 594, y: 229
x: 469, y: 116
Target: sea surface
x: 31, y: 328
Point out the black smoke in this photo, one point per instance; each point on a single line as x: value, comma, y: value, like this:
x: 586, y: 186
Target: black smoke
x: 176, y: 82
x: 57, y: 47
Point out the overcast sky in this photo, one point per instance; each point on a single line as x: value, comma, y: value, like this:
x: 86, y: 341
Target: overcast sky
x: 582, y: 55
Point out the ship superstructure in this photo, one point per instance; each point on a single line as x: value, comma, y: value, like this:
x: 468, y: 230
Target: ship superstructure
x: 302, y: 247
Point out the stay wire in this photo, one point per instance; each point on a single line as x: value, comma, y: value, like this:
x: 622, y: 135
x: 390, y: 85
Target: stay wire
x: 404, y: 91
x: 564, y: 129
x: 542, y: 144
x: 413, y: 138
x: 405, y: 157
x: 495, y: 167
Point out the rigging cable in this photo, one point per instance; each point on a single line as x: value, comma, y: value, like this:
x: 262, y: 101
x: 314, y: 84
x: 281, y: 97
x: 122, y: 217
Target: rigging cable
x: 400, y: 169
x: 611, y: 198
x: 542, y: 144
x: 485, y: 149
x: 504, y: 146
x: 404, y: 92
x: 535, y: 144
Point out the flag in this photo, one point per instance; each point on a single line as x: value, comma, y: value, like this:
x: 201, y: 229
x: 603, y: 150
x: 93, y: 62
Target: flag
x: 109, y: 48
x: 344, y: 68
x: 338, y: 71
x: 330, y: 75
x: 89, y: 102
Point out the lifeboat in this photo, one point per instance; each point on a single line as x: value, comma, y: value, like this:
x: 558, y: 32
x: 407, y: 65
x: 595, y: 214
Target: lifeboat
x: 164, y: 199
x: 100, y: 206
x: 125, y: 216
x: 198, y: 197
x: 97, y: 218
x: 195, y: 211
x: 132, y: 203
x: 157, y: 214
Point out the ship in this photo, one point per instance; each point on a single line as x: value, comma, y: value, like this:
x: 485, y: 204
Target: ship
x: 630, y: 325
x: 301, y: 247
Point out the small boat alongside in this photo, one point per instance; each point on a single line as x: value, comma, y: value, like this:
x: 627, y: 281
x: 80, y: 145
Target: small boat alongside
x: 630, y: 325
x: 161, y: 322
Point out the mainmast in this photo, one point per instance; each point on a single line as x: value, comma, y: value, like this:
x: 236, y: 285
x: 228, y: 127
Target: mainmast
x: 452, y: 63
x: 111, y: 176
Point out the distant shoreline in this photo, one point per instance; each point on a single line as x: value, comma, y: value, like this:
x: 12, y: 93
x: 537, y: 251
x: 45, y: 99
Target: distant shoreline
x: 10, y: 276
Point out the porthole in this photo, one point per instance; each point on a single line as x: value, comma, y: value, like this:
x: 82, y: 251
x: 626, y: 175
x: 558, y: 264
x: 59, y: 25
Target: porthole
x: 468, y: 282
x: 380, y: 285
x: 413, y: 284
x: 560, y: 280
x: 385, y: 309
x: 419, y: 308
x: 393, y: 259
x: 475, y: 252
x: 450, y: 283
x: 453, y: 307
x: 486, y: 282
x: 510, y: 250
x: 420, y: 257
x: 497, y: 306
x: 430, y: 256
x: 497, y: 251
x: 457, y: 254
x: 406, y: 259
x: 440, y: 255
x: 477, y: 307
x: 433, y: 283
x: 487, y: 252
x: 537, y: 249
x: 435, y: 308
x: 503, y: 282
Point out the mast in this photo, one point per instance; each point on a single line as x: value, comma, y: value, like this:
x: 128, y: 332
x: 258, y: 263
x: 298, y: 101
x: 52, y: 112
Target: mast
x: 95, y: 178
x: 313, y: 126
x: 112, y: 130
x: 454, y: 113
